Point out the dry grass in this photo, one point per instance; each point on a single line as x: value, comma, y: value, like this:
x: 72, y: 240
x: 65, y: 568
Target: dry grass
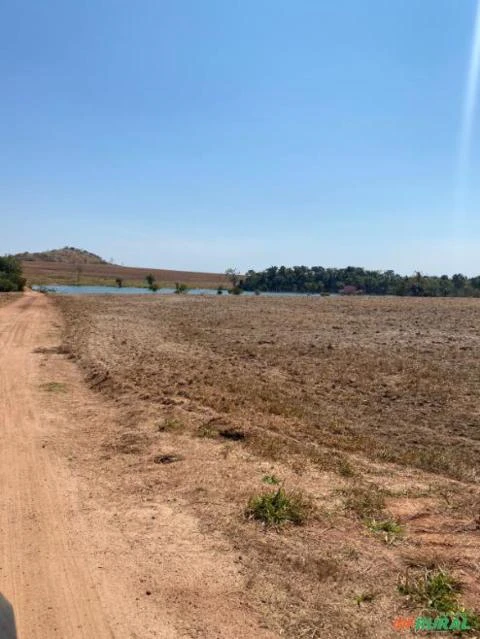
x: 366, y: 406
x: 44, y: 272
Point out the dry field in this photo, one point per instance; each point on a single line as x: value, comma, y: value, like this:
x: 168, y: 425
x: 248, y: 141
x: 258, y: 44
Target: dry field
x: 368, y: 409
x: 44, y: 272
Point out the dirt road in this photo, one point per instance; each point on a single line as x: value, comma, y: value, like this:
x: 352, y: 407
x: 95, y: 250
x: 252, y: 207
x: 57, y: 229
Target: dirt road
x: 43, y: 572
x: 67, y: 569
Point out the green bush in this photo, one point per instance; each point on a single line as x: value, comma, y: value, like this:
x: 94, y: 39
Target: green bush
x: 435, y: 589
x: 11, y: 277
x: 277, y: 508
x: 180, y: 288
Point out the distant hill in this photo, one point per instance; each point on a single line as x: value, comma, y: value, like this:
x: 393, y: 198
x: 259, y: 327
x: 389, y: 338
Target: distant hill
x: 67, y: 255
x: 70, y: 265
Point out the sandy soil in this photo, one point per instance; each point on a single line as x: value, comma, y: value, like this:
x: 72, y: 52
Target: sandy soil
x: 349, y: 401
x: 83, y: 552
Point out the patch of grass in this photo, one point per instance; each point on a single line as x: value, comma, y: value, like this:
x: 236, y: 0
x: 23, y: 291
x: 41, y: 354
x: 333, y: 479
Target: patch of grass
x: 473, y: 619
x: 366, y: 501
x: 270, y: 479
x: 207, y: 431
x: 432, y: 589
x: 54, y: 387
x: 345, y: 468
x: 278, y: 508
x: 170, y: 425
x: 365, y: 597
x: 388, y: 528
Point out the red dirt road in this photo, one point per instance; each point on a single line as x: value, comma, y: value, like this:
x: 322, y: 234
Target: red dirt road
x: 66, y: 565
x: 43, y: 571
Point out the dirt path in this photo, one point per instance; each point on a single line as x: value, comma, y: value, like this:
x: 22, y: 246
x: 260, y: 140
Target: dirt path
x: 65, y: 568
x: 42, y: 568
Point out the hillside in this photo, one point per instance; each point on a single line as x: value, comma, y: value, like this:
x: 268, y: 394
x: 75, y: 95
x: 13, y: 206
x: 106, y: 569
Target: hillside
x: 76, y: 266
x: 67, y: 255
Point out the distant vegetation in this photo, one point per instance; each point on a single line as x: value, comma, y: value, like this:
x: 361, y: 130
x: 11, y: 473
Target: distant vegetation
x: 151, y: 282
x: 11, y: 277
x: 234, y: 277
x: 180, y: 288
x: 355, y: 280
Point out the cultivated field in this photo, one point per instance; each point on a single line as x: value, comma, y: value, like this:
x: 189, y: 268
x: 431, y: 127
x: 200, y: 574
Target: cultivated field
x: 49, y: 272
x: 366, y: 410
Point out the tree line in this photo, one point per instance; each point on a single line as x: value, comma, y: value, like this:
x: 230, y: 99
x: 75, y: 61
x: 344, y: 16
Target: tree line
x: 357, y: 280
x: 11, y: 277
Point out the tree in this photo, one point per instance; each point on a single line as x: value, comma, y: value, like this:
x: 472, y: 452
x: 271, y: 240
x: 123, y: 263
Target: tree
x: 11, y: 276
x: 458, y: 281
x: 180, y: 288
x: 233, y: 275
x: 150, y: 279
x: 151, y: 283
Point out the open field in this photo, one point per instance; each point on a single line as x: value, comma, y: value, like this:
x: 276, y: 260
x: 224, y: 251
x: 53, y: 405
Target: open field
x: 44, y: 272
x: 369, y: 407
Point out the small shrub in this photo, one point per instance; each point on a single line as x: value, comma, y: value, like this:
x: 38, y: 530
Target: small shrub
x: 270, y: 479
x: 388, y: 528
x: 207, y: 431
x: 180, y: 288
x: 278, y: 508
x: 435, y: 589
x: 151, y: 283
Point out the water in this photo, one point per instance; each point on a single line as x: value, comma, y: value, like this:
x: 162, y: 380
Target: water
x: 115, y: 290
x: 127, y: 290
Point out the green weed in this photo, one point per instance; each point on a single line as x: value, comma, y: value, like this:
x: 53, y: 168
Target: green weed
x: 277, y: 508
x: 388, y: 528
x: 270, y: 479
x: 435, y: 589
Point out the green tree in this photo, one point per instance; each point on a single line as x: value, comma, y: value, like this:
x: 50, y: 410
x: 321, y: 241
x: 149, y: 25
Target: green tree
x: 11, y: 276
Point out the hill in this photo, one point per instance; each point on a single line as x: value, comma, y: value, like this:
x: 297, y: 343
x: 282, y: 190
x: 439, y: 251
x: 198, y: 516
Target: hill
x: 67, y: 255
x: 76, y: 266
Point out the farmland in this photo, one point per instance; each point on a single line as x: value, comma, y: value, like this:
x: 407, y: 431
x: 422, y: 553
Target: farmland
x: 366, y: 408
x: 104, y: 274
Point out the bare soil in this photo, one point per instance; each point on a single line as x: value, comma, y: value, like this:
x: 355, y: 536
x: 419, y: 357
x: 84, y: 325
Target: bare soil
x: 89, y: 547
x: 6, y: 298
x: 351, y: 401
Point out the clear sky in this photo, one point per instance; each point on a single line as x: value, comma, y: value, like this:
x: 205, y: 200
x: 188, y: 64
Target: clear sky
x: 202, y: 134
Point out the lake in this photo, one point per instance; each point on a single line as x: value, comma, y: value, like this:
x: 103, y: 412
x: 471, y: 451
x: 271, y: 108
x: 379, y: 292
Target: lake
x: 131, y: 290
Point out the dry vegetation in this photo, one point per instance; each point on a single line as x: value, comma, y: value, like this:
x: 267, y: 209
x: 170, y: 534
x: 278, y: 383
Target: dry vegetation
x: 49, y: 272
x: 362, y: 412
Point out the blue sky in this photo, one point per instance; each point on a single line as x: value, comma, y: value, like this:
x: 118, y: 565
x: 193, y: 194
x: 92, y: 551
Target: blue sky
x: 205, y: 134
